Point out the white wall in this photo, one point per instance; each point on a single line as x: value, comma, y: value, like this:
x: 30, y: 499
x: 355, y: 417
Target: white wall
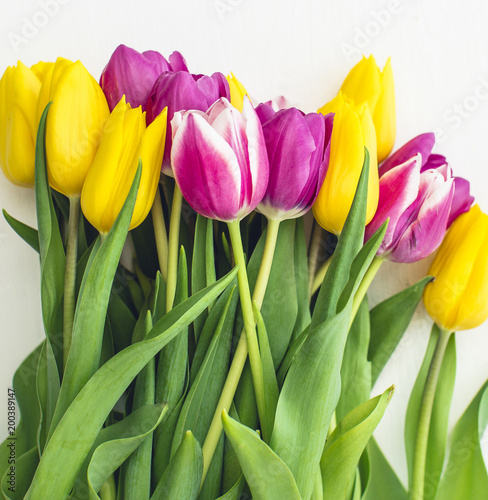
x: 302, y: 49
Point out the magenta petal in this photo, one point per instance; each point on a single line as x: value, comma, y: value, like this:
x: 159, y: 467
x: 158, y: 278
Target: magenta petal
x: 462, y: 199
x: 258, y: 159
x: 265, y: 112
x: 206, y: 169
x: 177, y: 62
x: 398, y: 189
x: 426, y: 233
x: 422, y: 144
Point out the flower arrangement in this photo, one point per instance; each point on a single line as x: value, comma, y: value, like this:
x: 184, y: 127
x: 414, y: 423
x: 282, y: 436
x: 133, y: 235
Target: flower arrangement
x: 229, y: 361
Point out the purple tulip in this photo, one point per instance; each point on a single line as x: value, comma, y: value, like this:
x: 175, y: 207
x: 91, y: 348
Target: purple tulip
x: 131, y: 73
x: 298, y: 151
x: 182, y: 91
x: 219, y: 160
x: 420, y: 197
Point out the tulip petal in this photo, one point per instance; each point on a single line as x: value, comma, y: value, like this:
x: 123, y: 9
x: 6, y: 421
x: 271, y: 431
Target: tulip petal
x: 206, y: 169
x: 422, y: 144
x: 426, y: 233
x: 265, y: 112
x: 462, y: 200
x: 177, y: 62
x: 398, y: 190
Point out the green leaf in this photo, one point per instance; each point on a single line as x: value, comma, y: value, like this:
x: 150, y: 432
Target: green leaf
x: 301, y: 279
x: 137, y: 470
x: 27, y: 233
x: 212, y: 486
x: 347, y: 442
x: 348, y: 246
x: 47, y: 384
x: 20, y: 476
x: 196, y: 403
x: 356, y: 369
x: 113, y: 445
x: 122, y: 322
x: 145, y: 245
x: 51, y: 249
x: 91, y: 308
x: 199, y: 266
x: 24, y: 386
x: 382, y: 482
x: 389, y: 321
x: 436, y: 446
x: 271, y: 390
x: 465, y: 473
x: 267, y: 475
x: 235, y: 493
x: 77, y: 430
x: 279, y: 308
x: 184, y: 473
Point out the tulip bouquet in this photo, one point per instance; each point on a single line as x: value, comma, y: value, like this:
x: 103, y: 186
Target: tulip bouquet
x: 233, y: 353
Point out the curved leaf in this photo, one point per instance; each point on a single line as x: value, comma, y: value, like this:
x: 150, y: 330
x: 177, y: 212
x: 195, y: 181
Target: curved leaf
x: 267, y: 475
x: 27, y: 233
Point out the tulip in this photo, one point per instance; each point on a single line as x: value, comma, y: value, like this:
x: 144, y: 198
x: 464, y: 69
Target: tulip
x: 74, y: 123
x: 182, y: 91
x: 125, y: 140
x: 133, y: 74
x: 237, y: 92
x: 365, y: 83
x: 457, y: 299
x: 19, y: 89
x: 421, y: 198
x: 298, y: 148
x: 220, y: 161
x: 353, y: 131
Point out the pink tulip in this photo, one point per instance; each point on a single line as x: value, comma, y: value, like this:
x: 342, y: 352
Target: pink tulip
x: 420, y: 197
x: 219, y: 160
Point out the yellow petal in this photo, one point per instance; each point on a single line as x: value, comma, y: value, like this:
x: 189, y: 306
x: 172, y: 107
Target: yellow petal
x: 19, y: 88
x: 384, y: 116
x: 458, y: 297
x: 363, y: 83
x: 237, y: 92
x: 151, y: 151
x: 353, y: 130
x: 74, y: 124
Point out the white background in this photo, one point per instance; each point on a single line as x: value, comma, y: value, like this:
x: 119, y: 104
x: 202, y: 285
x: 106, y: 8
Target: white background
x: 303, y: 50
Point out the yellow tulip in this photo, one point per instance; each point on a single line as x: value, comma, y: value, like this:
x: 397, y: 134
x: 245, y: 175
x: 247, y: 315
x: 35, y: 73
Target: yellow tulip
x: 457, y: 299
x: 73, y: 128
x: 365, y: 83
x: 237, y: 92
x: 353, y: 130
x: 19, y: 90
x: 125, y: 140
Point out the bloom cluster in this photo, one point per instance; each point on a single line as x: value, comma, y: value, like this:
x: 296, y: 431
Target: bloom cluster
x: 153, y: 138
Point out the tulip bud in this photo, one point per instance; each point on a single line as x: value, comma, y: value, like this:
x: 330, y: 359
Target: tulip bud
x: 365, y: 83
x: 220, y: 161
x: 457, y: 299
x: 74, y: 124
x: 420, y: 197
x: 183, y: 91
x: 353, y: 131
x: 133, y: 74
x: 19, y: 89
x: 125, y: 140
x: 298, y: 152
x: 237, y: 92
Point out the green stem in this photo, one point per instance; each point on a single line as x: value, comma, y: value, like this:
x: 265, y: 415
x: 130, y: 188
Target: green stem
x: 425, y: 414
x: 319, y: 276
x: 160, y: 234
x: 313, y: 254
x: 240, y: 356
x: 108, y: 490
x: 363, y: 287
x: 174, y: 236
x: 69, y: 300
